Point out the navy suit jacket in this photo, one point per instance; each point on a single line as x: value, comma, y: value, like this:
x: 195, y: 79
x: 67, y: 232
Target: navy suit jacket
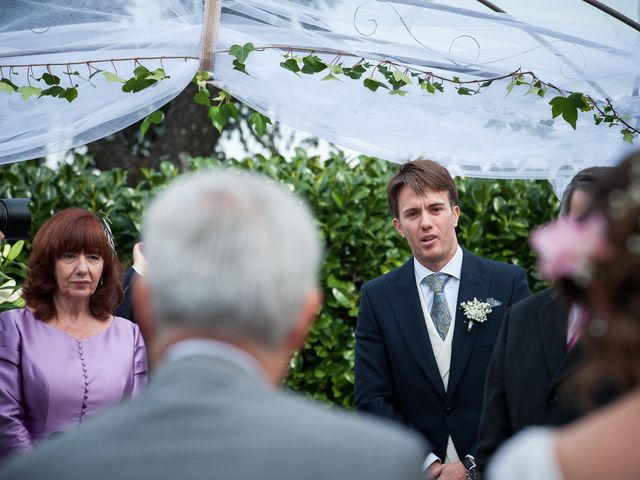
x: 527, y: 380
x: 396, y: 374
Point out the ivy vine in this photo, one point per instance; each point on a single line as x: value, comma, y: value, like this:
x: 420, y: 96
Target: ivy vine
x: 384, y: 75
x: 396, y: 78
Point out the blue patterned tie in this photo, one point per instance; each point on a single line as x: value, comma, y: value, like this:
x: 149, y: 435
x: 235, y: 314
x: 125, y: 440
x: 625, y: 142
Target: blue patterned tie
x: 440, y: 310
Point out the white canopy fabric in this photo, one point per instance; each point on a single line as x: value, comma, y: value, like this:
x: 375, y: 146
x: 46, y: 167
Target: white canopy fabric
x: 569, y: 44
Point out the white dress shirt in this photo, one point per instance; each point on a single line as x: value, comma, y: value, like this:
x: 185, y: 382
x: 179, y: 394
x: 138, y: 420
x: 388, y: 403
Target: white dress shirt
x: 441, y: 348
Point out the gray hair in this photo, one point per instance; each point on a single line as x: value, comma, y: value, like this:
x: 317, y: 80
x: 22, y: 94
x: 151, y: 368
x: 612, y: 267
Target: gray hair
x: 230, y: 254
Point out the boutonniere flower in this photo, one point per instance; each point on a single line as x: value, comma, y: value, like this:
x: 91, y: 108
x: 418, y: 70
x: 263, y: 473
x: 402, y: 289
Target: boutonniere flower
x: 477, y: 311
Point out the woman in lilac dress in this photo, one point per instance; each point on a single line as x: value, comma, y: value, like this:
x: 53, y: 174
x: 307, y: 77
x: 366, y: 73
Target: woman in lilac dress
x: 65, y: 357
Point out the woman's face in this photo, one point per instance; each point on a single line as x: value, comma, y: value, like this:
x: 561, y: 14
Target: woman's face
x: 77, y: 274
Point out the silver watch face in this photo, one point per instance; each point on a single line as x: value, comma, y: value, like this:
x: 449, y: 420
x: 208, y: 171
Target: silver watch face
x: 472, y: 473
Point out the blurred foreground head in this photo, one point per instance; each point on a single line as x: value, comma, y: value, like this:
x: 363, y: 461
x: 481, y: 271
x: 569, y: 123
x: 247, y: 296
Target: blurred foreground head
x: 231, y: 256
x: 597, y: 262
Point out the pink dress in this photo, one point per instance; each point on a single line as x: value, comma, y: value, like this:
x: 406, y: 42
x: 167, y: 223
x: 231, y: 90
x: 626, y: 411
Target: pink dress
x: 50, y: 382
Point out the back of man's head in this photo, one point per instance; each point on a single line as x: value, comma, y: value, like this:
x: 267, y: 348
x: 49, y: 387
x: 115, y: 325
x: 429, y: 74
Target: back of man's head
x: 231, y: 255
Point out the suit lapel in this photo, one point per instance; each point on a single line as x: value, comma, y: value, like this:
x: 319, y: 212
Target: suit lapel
x: 411, y: 322
x: 552, y: 317
x: 474, y: 283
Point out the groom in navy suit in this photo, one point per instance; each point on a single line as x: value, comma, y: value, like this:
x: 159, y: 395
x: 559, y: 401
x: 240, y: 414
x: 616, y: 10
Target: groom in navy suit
x: 420, y: 358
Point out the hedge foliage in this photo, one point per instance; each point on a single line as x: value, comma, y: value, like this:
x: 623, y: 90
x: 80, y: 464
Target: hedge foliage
x: 349, y: 200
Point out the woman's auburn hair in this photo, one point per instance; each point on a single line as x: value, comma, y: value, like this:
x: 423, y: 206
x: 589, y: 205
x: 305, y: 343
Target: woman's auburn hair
x: 73, y: 230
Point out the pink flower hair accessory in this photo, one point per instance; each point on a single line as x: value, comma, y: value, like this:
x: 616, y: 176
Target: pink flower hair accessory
x: 569, y: 249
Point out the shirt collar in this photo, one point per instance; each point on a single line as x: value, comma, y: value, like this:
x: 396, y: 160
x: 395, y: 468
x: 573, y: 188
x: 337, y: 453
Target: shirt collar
x: 453, y: 268
x: 218, y: 349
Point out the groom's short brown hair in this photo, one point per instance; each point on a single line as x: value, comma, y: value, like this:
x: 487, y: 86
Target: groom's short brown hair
x: 421, y: 176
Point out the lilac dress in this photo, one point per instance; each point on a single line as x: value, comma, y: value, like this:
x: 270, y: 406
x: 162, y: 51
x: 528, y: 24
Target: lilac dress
x: 50, y: 382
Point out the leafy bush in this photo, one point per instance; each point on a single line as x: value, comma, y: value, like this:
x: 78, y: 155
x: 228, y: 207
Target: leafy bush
x: 349, y: 201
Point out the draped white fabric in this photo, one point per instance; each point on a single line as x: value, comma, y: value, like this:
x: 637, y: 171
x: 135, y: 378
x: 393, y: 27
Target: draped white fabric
x: 567, y: 43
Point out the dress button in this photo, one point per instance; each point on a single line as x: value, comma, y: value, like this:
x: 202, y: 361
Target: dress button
x: 448, y: 410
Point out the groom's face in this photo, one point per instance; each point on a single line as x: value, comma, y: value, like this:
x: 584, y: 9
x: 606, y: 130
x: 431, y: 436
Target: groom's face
x: 428, y: 222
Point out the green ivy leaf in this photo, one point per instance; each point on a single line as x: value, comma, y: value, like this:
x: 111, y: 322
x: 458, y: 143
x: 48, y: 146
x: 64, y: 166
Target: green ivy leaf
x: 232, y: 109
x: 219, y: 116
x: 259, y: 123
x: 241, y: 52
x: 428, y: 86
x: 54, y: 91
x: 628, y: 135
x: 158, y: 74
x: 400, y: 77
x: 312, y: 64
x: 568, y: 107
x: 70, y: 94
x: 355, y: 72
x: 329, y: 76
x: 291, y: 64
x: 155, y: 117
x: 202, y: 98
x: 50, y: 79
x: 400, y: 92
x: 28, y: 92
x: 112, y: 77
x: 239, y: 66
x: 486, y: 84
x: 7, y: 86
x: 465, y: 91
x: 141, y: 71
x: 373, y: 84
x: 137, y: 84
x: 336, y: 69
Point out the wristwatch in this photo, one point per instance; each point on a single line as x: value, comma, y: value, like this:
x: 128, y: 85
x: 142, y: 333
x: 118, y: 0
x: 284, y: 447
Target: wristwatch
x: 469, y: 464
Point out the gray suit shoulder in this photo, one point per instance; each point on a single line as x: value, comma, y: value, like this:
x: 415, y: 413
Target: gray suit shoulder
x: 269, y: 435
x: 375, y: 448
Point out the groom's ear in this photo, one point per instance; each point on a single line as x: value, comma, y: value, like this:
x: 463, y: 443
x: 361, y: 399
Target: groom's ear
x: 398, y: 227
x: 456, y: 215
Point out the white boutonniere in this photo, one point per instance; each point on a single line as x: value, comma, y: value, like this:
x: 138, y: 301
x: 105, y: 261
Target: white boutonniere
x: 477, y: 311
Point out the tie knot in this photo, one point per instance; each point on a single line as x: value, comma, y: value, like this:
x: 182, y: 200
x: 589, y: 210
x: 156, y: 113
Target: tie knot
x: 437, y: 281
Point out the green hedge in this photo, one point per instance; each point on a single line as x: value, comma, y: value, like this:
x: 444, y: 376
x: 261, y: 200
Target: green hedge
x: 349, y: 200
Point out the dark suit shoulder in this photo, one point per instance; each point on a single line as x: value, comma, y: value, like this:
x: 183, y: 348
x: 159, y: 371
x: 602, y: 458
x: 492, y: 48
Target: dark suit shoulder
x: 401, y: 274
x: 492, y: 265
x: 535, y: 301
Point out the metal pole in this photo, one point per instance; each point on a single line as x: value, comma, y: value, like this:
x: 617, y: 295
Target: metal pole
x: 614, y: 13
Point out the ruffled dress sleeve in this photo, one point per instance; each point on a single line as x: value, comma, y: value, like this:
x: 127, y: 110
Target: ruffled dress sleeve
x: 14, y: 436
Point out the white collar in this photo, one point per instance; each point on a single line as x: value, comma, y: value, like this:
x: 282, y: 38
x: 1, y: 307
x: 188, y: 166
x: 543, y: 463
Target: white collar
x: 453, y: 268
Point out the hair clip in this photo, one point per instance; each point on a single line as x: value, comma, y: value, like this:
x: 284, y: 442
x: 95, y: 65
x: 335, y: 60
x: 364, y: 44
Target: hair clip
x: 106, y: 227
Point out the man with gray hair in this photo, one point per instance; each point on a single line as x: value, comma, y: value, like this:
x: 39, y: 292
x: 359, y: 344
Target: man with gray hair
x: 231, y: 283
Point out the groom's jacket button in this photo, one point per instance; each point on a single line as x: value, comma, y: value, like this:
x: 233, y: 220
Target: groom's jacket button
x: 448, y: 410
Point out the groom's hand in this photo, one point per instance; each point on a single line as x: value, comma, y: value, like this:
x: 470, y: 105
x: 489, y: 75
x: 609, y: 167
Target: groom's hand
x: 434, y: 470
x: 453, y: 471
